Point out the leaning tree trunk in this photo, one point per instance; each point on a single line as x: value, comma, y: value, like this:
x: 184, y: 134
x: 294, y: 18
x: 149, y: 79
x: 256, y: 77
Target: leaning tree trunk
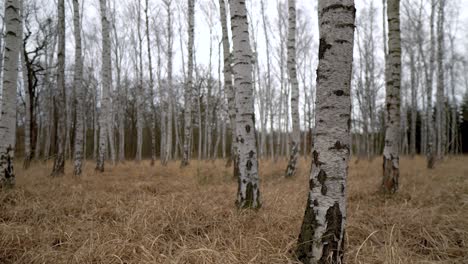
x: 188, y: 89
x: 323, y: 230
x: 59, y: 162
x: 77, y: 82
x: 391, y: 167
x: 296, y: 133
x: 248, y: 195
x: 106, y: 83
x: 9, y: 86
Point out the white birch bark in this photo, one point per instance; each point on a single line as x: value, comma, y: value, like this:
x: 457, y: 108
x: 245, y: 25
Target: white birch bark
x: 105, y: 114
x: 429, y: 80
x: 268, y: 81
x: 295, y: 136
x: 440, y: 109
x: 151, y: 89
x: 9, y: 86
x: 391, y: 167
x: 139, y: 92
x: 189, y: 86
x: 323, y: 230
x: 168, y: 149
x: 79, y: 89
x: 59, y: 162
x: 228, y: 87
x: 248, y: 195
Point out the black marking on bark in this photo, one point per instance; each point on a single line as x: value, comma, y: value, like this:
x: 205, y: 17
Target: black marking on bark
x: 306, y: 236
x: 251, y: 154
x: 249, y: 200
x: 324, y: 190
x: 342, y: 188
x: 316, y: 160
x: 247, y: 128
x: 249, y: 165
x: 345, y: 25
x: 322, y: 177
x: 339, y: 146
x: 338, y: 92
x: 332, y: 237
x: 323, y: 47
x: 311, y: 184
x: 339, y: 6
x: 316, y: 203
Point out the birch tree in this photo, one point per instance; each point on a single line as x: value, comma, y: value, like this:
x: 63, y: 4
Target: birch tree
x: 296, y: 133
x: 440, y: 109
x: 151, y: 89
x: 248, y: 195
x: 80, y: 93
x: 323, y: 229
x: 9, y: 86
x: 59, y: 162
x: 391, y: 167
x: 105, y: 119
x: 189, y: 85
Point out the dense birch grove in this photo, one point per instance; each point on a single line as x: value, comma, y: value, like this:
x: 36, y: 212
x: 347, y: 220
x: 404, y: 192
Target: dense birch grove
x: 244, y: 81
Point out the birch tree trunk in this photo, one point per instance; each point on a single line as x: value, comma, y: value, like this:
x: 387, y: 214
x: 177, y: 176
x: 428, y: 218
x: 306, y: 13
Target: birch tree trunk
x: 104, y: 117
x: 59, y: 162
x: 140, y: 93
x: 248, y: 195
x: 168, y: 154
x: 151, y: 89
x: 391, y: 167
x: 228, y: 87
x: 296, y: 133
x: 268, y: 81
x: 440, y: 109
x: 188, y: 89
x: 77, y: 82
x: 9, y: 86
x: 323, y: 230
x: 414, y: 105
x: 429, y: 79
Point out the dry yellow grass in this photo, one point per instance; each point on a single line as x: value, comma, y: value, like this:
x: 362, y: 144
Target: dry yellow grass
x: 135, y: 213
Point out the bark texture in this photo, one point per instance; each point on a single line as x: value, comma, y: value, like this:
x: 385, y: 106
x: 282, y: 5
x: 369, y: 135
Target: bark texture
x: 189, y: 86
x: 59, y: 162
x: 9, y: 86
x: 79, y: 89
x: 296, y: 133
x: 391, y: 167
x: 248, y: 194
x: 105, y: 118
x: 323, y: 230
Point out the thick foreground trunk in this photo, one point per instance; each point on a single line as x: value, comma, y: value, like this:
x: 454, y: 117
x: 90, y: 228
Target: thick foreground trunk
x: 323, y: 230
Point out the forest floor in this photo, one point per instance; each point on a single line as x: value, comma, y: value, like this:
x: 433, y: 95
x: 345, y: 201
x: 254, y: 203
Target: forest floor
x: 135, y: 213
